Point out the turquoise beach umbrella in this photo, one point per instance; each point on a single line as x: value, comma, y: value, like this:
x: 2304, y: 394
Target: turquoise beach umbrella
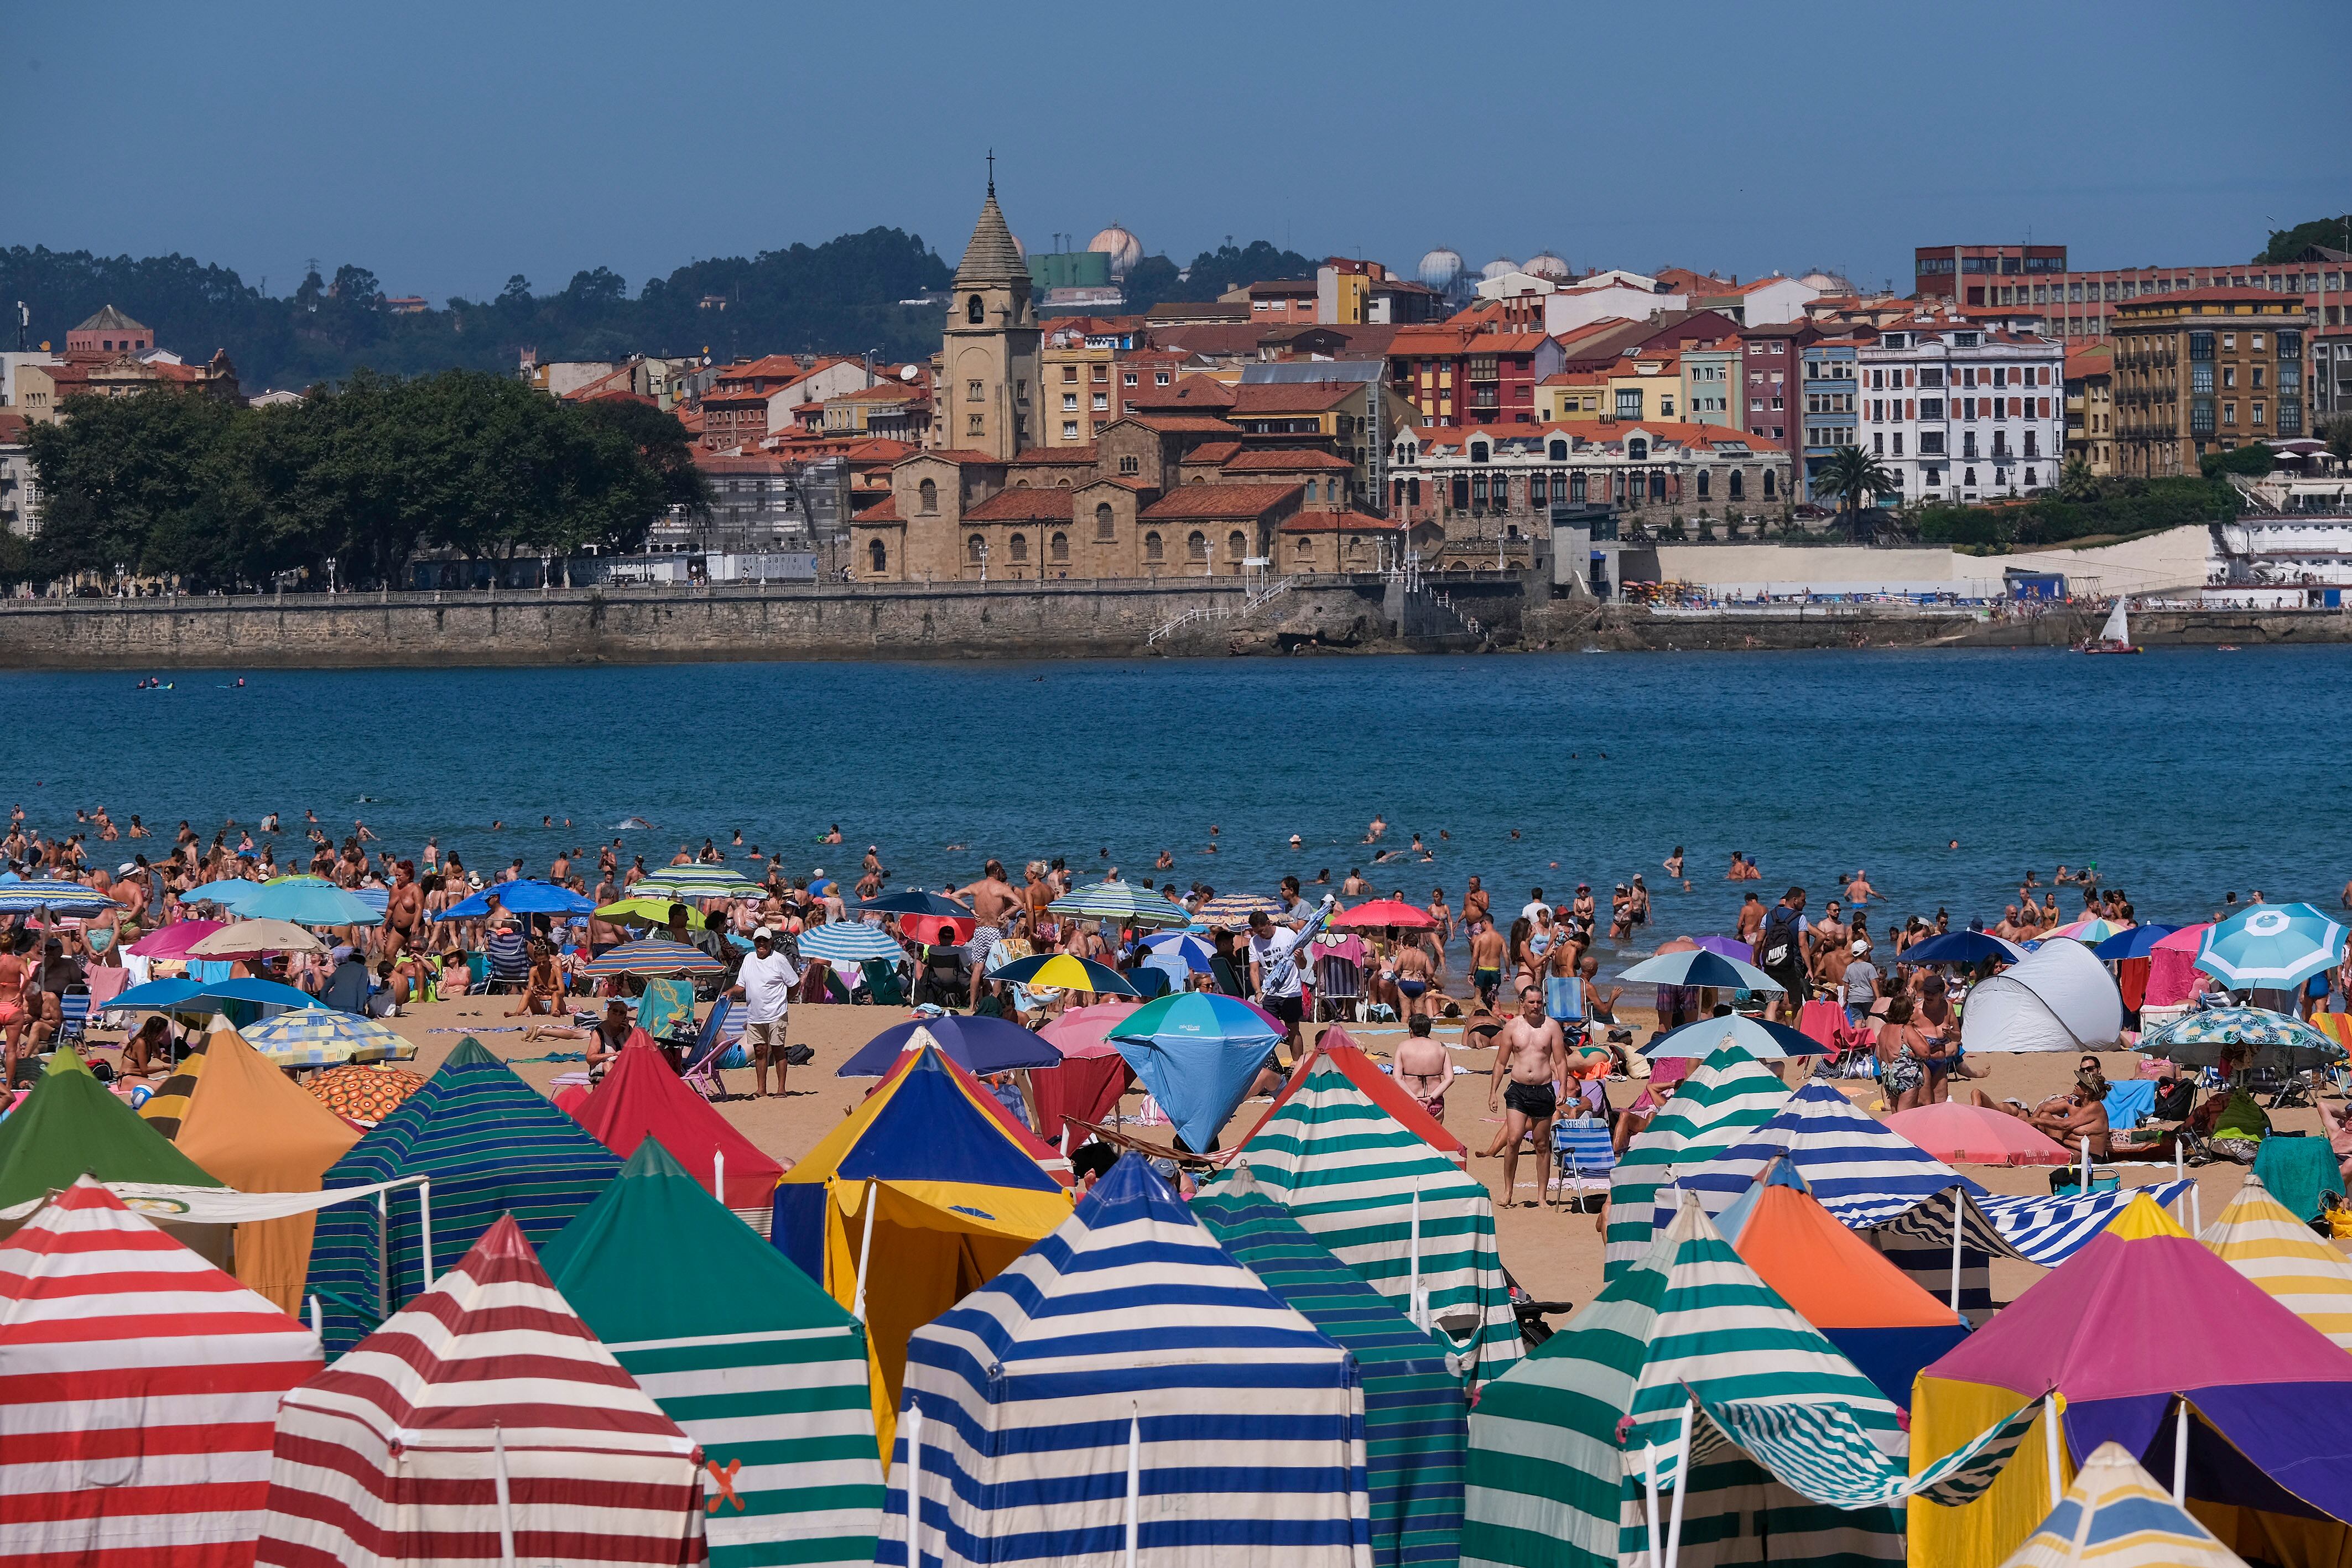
x: 2272, y: 947
x: 1198, y: 1052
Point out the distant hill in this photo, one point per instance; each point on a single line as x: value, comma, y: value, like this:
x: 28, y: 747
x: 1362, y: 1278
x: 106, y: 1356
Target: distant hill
x: 841, y: 297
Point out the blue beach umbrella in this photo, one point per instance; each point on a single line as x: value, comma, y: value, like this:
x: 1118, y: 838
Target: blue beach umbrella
x: 1701, y: 968
x: 1765, y: 1041
x: 1183, y: 951
x: 914, y: 901
x: 849, y: 942
x: 193, y: 995
x: 520, y: 897
x: 2271, y: 947
x: 54, y: 894
x: 1961, y: 947
x: 979, y: 1045
x: 2137, y: 943
x: 1198, y: 1053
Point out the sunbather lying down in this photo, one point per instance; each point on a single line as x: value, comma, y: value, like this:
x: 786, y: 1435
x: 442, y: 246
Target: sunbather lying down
x: 2069, y: 1118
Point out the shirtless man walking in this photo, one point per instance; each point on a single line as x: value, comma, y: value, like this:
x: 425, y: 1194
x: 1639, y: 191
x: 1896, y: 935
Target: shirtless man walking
x: 402, y: 912
x: 991, y: 899
x: 1531, y: 1058
x: 1485, y: 957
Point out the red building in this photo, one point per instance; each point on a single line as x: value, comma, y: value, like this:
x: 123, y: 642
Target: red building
x: 1459, y: 373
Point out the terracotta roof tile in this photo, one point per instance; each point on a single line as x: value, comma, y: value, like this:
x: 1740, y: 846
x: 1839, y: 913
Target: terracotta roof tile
x: 1284, y: 460
x: 1337, y: 522
x: 1023, y: 504
x: 1213, y: 452
x: 1292, y: 397
x: 882, y: 512
x: 1182, y: 423
x: 1219, y: 501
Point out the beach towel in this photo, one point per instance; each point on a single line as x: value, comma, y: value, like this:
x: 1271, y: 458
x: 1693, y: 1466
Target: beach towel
x: 2299, y: 1172
x: 1563, y: 998
x: 2130, y: 1102
x: 1822, y: 1021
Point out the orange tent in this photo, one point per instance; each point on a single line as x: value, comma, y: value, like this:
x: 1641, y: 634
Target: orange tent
x: 1886, y: 1326
x: 244, y: 1122
x: 1335, y: 1046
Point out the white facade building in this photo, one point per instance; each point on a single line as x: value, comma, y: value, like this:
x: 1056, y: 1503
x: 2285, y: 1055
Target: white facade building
x: 1960, y: 413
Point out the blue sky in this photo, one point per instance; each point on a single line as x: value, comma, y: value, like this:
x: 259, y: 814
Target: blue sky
x: 446, y: 146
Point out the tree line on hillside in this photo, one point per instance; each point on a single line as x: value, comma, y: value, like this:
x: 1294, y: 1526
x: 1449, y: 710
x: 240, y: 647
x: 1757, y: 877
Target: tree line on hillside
x: 841, y: 297
x: 224, y: 496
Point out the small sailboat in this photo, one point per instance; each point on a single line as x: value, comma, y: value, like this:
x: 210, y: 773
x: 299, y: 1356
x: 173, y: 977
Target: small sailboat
x: 2114, y: 637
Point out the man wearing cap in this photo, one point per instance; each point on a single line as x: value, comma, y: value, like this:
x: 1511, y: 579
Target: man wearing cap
x: 764, y: 985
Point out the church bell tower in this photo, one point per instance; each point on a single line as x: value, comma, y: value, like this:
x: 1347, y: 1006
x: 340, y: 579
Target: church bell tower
x: 987, y: 393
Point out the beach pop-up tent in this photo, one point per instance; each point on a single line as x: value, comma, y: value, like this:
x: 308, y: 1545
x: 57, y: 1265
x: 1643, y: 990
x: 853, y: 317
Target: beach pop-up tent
x: 1717, y: 1107
x: 1127, y: 1367
x: 752, y: 1359
x: 482, y: 1424
x: 643, y: 1097
x: 2058, y: 997
x: 1391, y: 1206
x: 139, y: 1385
x: 1414, y: 1418
x: 490, y: 1144
x: 922, y: 1194
x: 2140, y: 1320
x: 244, y: 1122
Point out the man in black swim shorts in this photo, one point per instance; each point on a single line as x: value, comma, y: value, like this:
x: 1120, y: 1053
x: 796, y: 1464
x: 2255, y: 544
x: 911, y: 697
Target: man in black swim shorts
x: 1530, y: 1059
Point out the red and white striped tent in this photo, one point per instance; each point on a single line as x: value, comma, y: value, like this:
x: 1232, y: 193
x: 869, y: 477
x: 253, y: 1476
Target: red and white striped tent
x: 481, y: 1423
x: 138, y: 1385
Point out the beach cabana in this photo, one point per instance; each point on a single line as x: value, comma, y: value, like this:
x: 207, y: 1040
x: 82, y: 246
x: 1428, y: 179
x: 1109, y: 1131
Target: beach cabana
x: 1126, y: 1366
x: 1717, y: 1108
x: 755, y: 1363
x: 2116, y: 1516
x: 1392, y: 1207
x: 643, y: 1097
x: 1415, y: 1422
x: 483, y: 1412
x: 72, y: 1125
x: 1337, y: 1048
x: 2259, y: 1238
x: 2139, y: 1320
x: 1886, y: 1326
x: 2058, y: 997
x: 920, y: 1195
x: 246, y: 1123
x: 140, y: 1383
x: 1795, y: 1456
x: 490, y: 1145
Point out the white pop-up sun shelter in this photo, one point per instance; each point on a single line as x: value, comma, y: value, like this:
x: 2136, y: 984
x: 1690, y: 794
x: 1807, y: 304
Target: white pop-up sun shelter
x: 2058, y: 997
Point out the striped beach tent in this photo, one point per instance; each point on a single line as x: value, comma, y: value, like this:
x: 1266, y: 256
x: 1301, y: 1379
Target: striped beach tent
x: 1127, y: 1367
x: 490, y: 1144
x: 1338, y: 1048
x: 72, y: 1125
x: 1415, y: 1419
x: 137, y: 1387
x: 2260, y: 1238
x: 1558, y: 1446
x: 1723, y: 1100
x: 1392, y: 1207
x: 483, y: 1412
x: 2116, y: 1516
x: 751, y: 1357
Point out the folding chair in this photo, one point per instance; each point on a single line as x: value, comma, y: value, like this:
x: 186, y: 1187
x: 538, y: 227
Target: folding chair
x: 882, y: 988
x: 943, y: 979
x: 1581, y: 1146
x: 509, y: 960
x: 73, y: 1013
x: 700, y: 1068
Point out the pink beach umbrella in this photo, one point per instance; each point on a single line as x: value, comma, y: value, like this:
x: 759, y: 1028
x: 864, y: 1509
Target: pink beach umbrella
x: 1956, y: 1134
x: 174, y: 941
x: 1083, y: 1031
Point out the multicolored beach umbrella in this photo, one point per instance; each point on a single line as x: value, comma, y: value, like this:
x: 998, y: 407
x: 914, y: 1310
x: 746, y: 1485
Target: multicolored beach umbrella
x: 2116, y: 1516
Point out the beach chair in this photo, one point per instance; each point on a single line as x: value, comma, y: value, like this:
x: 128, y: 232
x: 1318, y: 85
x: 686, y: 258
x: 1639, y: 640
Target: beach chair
x: 1582, y: 1147
x: 700, y: 1067
x: 943, y: 979
x: 882, y: 988
x: 1338, y: 986
x: 508, y: 960
x: 73, y: 1013
x: 665, y: 1011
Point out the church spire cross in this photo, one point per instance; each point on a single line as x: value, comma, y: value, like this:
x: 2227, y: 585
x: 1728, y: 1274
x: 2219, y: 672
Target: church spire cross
x: 991, y: 171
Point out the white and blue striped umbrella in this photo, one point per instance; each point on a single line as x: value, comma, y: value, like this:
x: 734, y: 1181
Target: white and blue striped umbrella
x: 849, y: 942
x: 1129, y: 1343
x: 1122, y: 903
x: 56, y: 894
x: 2271, y: 947
x: 1185, y: 950
x: 688, y: 882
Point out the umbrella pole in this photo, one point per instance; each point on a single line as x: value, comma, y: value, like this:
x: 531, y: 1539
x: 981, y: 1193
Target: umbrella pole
x: 317, y: 1324
x: 865, y: 1250
x: 1959, y: 1214
x: 425, y: 1224
x: 382, y: 1256
x: 1412, y: 1265
x: 1682, y: 1489
x: 2180, y: 1455
x: 2086, y: 1165
x: 1134, y: 1482
x: 2050, y: 1448
x: 506, y: 1497
x: 719, y: 1176
x: 1650, y: 1492
x: 914, y: 1483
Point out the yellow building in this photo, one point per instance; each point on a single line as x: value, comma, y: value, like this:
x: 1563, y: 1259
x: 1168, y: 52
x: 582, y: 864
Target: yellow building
x: 1571, y: 396
x: 2091, y: 407
x: 1082, y: 390
x: 1647, y: 390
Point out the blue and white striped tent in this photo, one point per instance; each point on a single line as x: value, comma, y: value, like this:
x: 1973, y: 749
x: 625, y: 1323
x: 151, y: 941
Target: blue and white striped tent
x: 1127, y: 1362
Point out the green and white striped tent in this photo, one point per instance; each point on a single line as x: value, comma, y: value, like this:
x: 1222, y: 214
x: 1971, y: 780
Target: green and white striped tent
x: 1725, y: 1097
x: 739, y: 1347
x: 1557, y: 1447
x: 1348, y: 1173
x: 1415, y: 1421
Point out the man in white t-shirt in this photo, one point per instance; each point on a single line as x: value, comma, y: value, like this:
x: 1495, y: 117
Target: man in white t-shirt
x: 1275, y: 972
x: 764, y: 985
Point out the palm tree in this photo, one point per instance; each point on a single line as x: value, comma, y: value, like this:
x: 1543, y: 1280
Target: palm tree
x: 1856, y: 479
x: 2077, y: 482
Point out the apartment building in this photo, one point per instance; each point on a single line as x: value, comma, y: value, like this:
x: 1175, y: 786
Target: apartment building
x: 1960, y: 413
x: 1828, y: 407
x: 2205, y: 369
x: 2091, y: 407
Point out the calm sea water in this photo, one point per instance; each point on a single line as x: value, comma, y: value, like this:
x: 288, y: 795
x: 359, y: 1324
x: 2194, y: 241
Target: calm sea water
x: 2183, y: 774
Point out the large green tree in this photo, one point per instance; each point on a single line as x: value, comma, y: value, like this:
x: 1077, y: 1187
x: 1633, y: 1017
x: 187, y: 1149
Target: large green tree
x: 2287, y: 244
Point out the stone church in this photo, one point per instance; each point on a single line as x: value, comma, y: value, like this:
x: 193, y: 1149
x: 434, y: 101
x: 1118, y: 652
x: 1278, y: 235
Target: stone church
x: 1158, y: 492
